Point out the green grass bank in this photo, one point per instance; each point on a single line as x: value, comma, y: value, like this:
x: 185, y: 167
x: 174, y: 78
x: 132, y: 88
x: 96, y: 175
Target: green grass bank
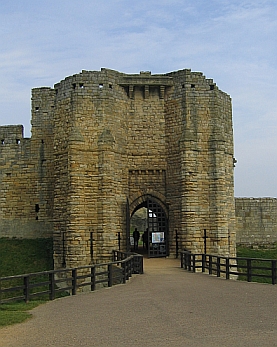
x: 20, y: 256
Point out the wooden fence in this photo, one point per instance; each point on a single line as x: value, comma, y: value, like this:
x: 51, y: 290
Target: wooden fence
x: 53, y: 283
x: 250, y: 269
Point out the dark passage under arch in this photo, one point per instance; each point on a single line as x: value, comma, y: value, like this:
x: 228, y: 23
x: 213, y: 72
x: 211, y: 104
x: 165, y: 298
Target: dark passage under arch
x: 157, y: 227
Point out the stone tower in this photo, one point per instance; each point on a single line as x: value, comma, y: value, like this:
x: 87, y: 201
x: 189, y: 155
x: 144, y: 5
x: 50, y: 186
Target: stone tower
x: 105, y: 144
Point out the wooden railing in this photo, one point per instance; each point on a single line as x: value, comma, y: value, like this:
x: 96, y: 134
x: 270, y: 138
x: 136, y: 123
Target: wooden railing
x: 67, y: 281
x: 250, y: 269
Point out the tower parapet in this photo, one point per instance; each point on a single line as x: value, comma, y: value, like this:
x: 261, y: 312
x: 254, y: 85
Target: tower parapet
x: 105, y: 144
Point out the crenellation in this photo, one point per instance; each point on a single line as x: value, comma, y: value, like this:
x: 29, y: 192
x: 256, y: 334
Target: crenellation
x: 104, y: 142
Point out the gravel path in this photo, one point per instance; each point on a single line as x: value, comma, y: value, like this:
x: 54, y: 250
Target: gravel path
x: 164, y: 307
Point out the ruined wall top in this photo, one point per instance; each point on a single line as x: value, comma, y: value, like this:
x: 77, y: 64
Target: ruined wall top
x: 11, y: 134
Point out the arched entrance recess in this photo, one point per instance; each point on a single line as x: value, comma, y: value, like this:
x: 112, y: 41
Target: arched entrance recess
x: 157, y: 224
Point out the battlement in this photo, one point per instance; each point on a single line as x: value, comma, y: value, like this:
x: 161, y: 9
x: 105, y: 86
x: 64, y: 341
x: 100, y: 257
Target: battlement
x: 101, y: 138
x: 108, y: 82
x: 11, y: 134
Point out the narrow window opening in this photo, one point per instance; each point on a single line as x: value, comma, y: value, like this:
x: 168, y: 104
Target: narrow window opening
x: 56, y: 90
x: 37, y: 208
x: 81, y: 85
x: 101, y: 86
x: 37, y: 108
x: 126, y: 89
x: 42, y: 141
x: 17, y: 141
x: 183, y: 86
x: 192, y: 85
x: 2, y: 142
x: 74, y: 85
x: 110, y: 86
x: 211, y: 87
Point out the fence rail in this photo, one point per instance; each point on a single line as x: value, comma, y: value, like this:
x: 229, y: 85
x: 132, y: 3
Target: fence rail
x: 51, y: 283
x: 250, y: 269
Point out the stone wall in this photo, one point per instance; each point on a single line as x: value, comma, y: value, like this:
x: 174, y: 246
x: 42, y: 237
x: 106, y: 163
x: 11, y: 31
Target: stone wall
x: 256, y: 221
x: 25, y: 183
x: 103, y: 142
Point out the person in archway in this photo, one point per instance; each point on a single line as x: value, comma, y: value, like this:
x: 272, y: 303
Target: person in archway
x: 136, y: 236
x: 145, y: 239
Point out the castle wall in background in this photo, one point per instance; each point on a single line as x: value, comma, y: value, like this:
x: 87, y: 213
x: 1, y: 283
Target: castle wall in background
x: 26, y: 183
x: 256, y: 221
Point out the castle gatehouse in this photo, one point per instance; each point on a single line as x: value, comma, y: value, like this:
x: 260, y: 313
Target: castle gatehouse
x: 105, y: 144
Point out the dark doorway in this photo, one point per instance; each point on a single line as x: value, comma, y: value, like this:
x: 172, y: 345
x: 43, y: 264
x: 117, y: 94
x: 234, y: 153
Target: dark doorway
x: 153, y: 228
x: 157, y: 230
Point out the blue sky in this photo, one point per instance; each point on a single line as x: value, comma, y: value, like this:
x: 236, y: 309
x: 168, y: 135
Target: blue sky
x: 233, y: 42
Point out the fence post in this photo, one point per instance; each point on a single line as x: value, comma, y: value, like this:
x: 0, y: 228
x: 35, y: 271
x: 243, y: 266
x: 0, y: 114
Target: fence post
x: 141, y: 264
x: 189, y: 261
x: 227, y: 268
x: 131, y: 267
x: 210, y: 264
x: 124, y: 271
x: 51, y: 286
x: 110, y: 275
x: 203, y: 262
x: 218, y: 266
x: 92, y: 278
x: 26, y: 289
x: 193, y: 262
x: 249, y: 270
x: 273, y: 271
x: 74, y: 281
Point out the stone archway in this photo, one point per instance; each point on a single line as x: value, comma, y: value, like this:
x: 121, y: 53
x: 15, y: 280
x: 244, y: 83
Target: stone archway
x: 156, y: 235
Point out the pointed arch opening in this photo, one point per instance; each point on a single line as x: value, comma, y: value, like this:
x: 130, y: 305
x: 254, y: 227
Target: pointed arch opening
x: 148, y: 215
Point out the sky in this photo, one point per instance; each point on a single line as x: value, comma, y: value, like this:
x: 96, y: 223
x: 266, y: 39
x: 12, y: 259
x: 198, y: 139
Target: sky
x: 234, y: 42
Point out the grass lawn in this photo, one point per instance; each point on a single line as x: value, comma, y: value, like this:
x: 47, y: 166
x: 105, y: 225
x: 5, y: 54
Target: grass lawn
x: 20, y: 256
x: 13, y: 313
x: 257, y: 253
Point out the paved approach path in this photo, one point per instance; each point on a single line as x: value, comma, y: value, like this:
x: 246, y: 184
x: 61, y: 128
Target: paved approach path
x: 166, y: 306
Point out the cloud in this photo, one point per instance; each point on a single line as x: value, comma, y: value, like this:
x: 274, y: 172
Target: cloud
x: 233, y: 42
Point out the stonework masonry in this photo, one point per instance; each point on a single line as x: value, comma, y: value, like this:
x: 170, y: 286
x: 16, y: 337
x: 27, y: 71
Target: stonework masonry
x: 256, y: 222
x: 104, y: 140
